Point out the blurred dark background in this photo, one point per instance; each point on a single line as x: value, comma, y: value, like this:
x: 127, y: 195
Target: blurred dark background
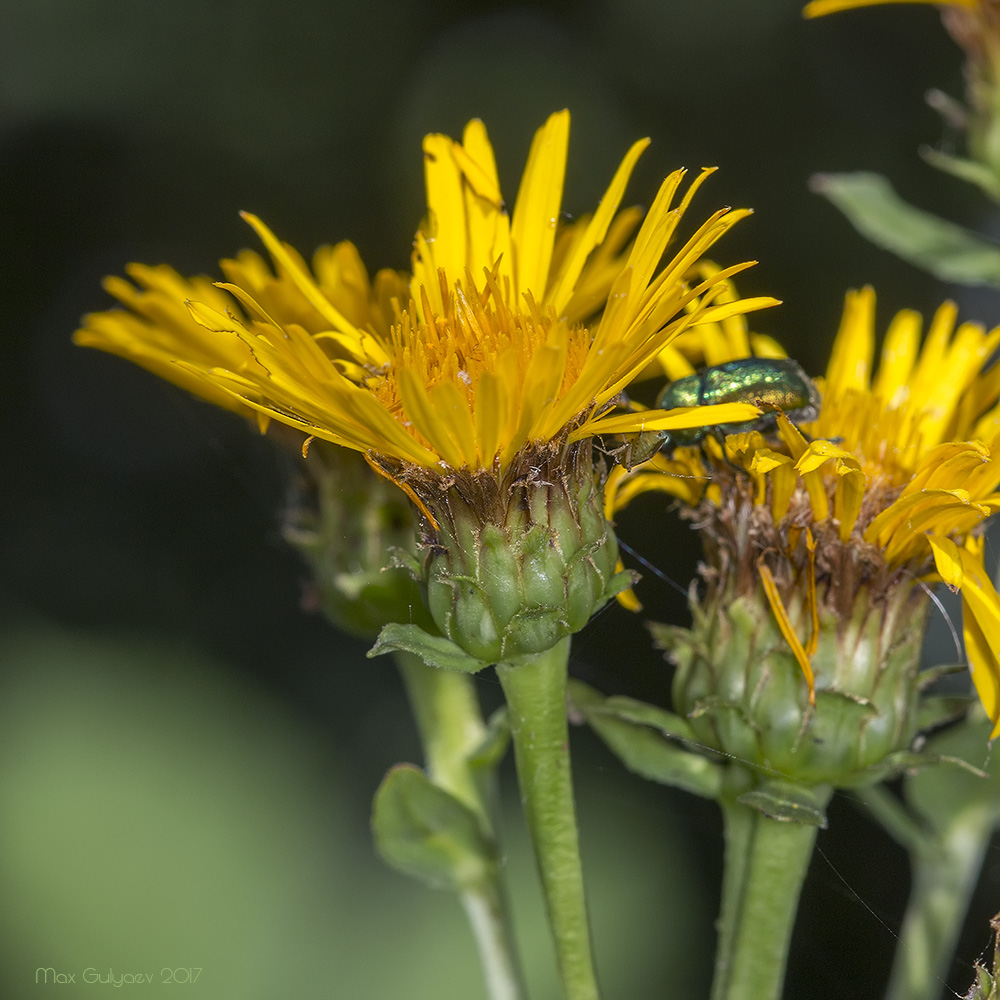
x: 188, y: 756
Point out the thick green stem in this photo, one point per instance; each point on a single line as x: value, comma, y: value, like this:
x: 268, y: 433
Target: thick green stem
x: 451, y: 726
x: 738, y: 828
x: 536, y: 697
x: 944, y: 878
x: 765, y: 866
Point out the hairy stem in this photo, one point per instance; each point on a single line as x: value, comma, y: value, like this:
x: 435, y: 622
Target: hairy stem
x: 535, y: 689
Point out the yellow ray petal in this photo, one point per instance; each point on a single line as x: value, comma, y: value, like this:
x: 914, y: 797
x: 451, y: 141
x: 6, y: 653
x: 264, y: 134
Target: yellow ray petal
x: 420, y: 409
x: 536, y: 210
x: 819, y: 8
x: 981, y: 610
x: 474, y: 156
x: 446, y: 227
x: 851, y: 358
x: 681, y: 418
x: 983, y: 665
x: 299, y: 275
x: 451, y: 406
x: 899, y: 355
x: 947, y: 560
x: 785, y: 625
x: 493, y: 407
x: 596, y: 230
x: 811, y: 601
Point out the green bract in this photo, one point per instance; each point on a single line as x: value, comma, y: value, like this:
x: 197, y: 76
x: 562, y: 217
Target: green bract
x: 744, y: 693
x: 517, y: 566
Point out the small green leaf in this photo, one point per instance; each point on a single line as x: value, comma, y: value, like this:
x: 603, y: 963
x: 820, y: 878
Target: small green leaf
x: 669, y: 637
x: 967, y: 170
x: 789, y: 803
x: 643, y: 714
x: 942, y: 795
x: 929, y: 677
x: 650, y: 755
x: 434, y: 650
x: 490, y: 752
x: 946, y: 250
x: 424, y: 831
x: 915, y: 762
x: 936, y: 710
x: 640, y: 713
x: 643, y: 737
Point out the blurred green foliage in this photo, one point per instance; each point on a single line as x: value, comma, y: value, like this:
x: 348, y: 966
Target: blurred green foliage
x: 158, y: 811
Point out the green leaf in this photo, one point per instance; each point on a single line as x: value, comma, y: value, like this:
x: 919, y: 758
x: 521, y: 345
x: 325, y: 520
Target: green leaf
x: 785, y: 801
x: 643, y: 737
x: 434, y: 650
x: 424, y: 831
x: 936, y: 710
x: 946, y: 250
x: 929, y: 677
x: 942, y: 795
x: 490, y: 752
x: 916, y: 761
x: 966, y: 170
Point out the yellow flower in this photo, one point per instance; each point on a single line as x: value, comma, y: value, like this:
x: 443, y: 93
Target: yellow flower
x: 974, y: 25
x: 486, y: 352
x: 158, y: 331
x: 888, y: 485
x: 818, y: 8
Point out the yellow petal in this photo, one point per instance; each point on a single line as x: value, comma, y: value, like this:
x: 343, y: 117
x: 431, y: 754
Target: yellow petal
x: 299, y: 275
x: 492, y: 415
x: 811, y: 601
x: 819, y: 8
x: 947, y: 560
x: 899, y: 355
x: 596, y: 230
x: 451, y: 406
x: 681, y: 418
x: 419, y: 408
x: 785, y: 625
x: 474, y: 156
x: 848, y: 496
x: 536, y: 210
x: 851, y: 358
x: 981, y: 620
x: 983, y: 665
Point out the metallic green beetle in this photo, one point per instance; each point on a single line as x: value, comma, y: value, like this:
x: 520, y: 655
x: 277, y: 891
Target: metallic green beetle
x: 778, y: 382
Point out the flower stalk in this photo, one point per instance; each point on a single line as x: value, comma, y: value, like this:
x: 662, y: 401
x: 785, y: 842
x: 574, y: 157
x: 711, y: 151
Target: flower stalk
x: 766, y: 861
x: 535, y: 688
x: 944, y: 877
x: 451, y: 728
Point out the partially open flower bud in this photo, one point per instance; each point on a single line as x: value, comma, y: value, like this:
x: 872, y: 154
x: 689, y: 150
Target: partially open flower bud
x: 349, y: 522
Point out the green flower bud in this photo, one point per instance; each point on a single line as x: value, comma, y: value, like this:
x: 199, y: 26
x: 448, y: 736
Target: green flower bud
x: 353, y: 526
x: 744, y: 692
x: 517, y: 565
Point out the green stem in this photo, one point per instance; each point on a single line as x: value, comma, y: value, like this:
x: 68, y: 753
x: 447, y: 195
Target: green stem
x: 451, y: 727
x: 738, y: 828
x: 535, y: 689
x: 765, y: 866
x: 944, y: 878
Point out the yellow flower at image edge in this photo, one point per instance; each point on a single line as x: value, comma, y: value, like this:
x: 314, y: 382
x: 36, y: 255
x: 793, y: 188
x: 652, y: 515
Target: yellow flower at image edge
x: 834, y: 529
x: 484, y: 375
x: 819, y: 8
